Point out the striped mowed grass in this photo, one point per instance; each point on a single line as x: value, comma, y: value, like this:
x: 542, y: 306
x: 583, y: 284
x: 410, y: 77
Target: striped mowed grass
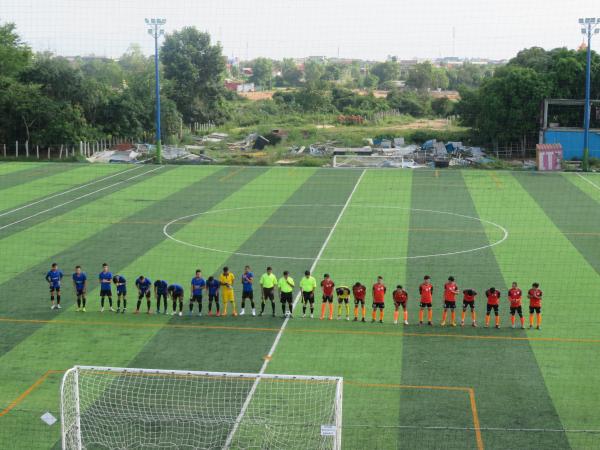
x: 405, y: 386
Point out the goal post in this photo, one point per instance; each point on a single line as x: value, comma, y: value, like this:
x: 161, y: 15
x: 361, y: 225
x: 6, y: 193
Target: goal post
x: 108, y: 407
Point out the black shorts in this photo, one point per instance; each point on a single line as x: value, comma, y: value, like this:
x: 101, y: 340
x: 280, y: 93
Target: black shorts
x: 286, y: 297
x: 398, y: 304
x: 449, y: 305
x: 160, y: 294
x: 343, y: 300
x: 308, y: 297
x: 516, y: 309
x: 196, y: 298
x: 143, y: 294
x: 176, y: 297
x: 488, y: 308
x: 268, y: 294
x: 328, y: 299
x: 105, y: 293
x: 80, y: 292
x: 537, y: 309
x: 55, y: 289
x: 248, y: 295
x: 425, y: 305
x: 378, y: 305
x: 467, y: 304
x: 213, y: 297
x: 359, y: 301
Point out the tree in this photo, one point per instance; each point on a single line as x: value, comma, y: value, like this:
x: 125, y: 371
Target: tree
x: 386, y: 71
x: 421, y: 76
x: 14, y: 54
x: 262, y: 72
x: 290, y: 73
x: 408, y: 102
x: 442, y: 106
x: 195, y: 68
x: 313, y: 71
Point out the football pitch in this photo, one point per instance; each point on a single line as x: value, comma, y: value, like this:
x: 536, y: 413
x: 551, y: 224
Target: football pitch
x: 404, y: 386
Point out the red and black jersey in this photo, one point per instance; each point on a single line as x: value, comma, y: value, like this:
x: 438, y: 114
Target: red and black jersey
x: 535, y: 297
x: 492, y: 297
x: 400, y: 296
x: 514, y: 296
x: 426, y: 291
x: 450, y: 291
x: 379, y: 293
x: 327, y: 285
x: 469, y: 295
x: 360, y: 292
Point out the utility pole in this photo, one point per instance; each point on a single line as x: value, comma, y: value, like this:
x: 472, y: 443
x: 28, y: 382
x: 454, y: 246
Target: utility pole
x: 590, y: 26
x: 155, y: 30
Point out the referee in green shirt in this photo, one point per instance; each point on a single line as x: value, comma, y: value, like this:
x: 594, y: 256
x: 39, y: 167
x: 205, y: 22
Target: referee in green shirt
x: 286, y: 287
x: 268, y: 281
x: 308, y: 284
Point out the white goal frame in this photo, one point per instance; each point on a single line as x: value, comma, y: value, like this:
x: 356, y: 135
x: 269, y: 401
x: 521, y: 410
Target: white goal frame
x: 71, y: 416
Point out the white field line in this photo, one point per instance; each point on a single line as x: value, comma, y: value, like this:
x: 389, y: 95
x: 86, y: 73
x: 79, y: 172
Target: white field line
x: 80, y: 197
x: 66, y: 192
x: 589, y: 181
x: 263, y: 368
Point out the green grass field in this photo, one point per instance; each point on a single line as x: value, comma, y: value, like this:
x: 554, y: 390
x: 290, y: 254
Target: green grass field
x: 404, y: 386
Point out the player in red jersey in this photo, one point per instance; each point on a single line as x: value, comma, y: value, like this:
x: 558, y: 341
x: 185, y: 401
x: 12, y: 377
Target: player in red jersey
x: 327, y: 286
x: 360, y: 292
x: 426, y: 293
x: 468, y: 302
x: 493, y: 301
x: 535, y: 305
x: 514, y: 297
x: 450, y: 292
x: 379, y: 290
x: 400, y: 299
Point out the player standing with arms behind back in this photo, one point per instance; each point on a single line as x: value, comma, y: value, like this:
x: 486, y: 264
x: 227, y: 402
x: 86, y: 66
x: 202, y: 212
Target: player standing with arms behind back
x: 308, y: 284
x: 105, y: 277
x: 80, y: 285
x: 535, y: 305
x: 379, y: 291
x: 426, y: 293
x: 514, y: 296
x: 247, y: 290
x: 327, y: 286
x: 450, y: 291
x: 54, y: 277
x: 197, y: 286
x: 268, y: 281
x: 286, y: 288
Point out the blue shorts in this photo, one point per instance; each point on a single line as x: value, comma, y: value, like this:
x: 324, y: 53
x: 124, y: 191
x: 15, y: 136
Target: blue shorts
x: 105, y: 293
x: 121, y: 291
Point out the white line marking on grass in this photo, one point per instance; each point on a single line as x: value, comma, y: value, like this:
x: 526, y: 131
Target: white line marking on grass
x: 65, y: 192
x: 589, y: 181
x: 80, y: 197
x: 504, y: 231
x: 246, y: 403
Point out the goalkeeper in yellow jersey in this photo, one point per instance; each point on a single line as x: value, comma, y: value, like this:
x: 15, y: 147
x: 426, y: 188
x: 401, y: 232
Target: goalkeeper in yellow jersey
x: 343, y: 293
x: 226, y: 280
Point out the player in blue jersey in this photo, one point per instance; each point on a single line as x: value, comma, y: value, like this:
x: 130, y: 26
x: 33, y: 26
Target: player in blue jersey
x: 247, y: 290
x: 105, y: 278
x: 213, y: 285
x: 176, y: 292
x: 160, y: 292
x: 198, y: 284
x: 80, y: 285
x: 54, y: 277
x: 121, y: 284
x: 144, y: 287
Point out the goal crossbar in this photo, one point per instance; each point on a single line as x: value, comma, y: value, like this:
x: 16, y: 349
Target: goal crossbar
x: 123, y: 407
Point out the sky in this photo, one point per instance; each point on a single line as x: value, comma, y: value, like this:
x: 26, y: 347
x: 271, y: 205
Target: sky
x: 365, y: 29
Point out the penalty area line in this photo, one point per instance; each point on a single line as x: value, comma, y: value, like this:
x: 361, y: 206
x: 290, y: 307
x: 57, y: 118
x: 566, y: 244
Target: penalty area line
x: 269, y: 355
x: 589, y: 181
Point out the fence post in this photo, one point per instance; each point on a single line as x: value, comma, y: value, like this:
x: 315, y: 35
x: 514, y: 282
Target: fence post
x: 37, y: 151
x: 4, y: 146
x: 61, y: 150
x: 27, y: 149
x: 48, y: 152
x: 17, y: 149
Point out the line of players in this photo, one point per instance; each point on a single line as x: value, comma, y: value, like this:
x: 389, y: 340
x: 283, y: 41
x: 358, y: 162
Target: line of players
x: 222, y: 288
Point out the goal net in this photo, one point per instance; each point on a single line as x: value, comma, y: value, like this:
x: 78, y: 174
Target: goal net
x: 376, y: 161
x: 106, y: 407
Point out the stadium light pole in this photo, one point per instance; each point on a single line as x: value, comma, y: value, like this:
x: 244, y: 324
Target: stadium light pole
x: 589, y: 27
x: 155, y: 30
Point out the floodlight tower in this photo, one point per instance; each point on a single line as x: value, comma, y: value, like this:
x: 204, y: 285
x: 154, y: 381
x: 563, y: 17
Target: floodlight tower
x: 155, y: 29
x: 589, y: 26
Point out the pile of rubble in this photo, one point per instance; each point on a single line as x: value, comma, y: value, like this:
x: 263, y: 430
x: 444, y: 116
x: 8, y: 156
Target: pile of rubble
x: 143, y: 153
